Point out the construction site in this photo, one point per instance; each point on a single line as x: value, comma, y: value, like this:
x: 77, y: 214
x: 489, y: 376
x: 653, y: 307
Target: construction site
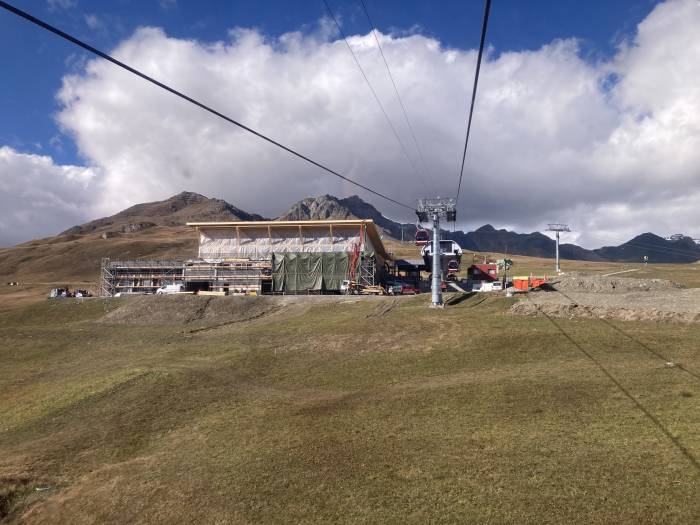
x: 263, y: 257
x: 199, y: 362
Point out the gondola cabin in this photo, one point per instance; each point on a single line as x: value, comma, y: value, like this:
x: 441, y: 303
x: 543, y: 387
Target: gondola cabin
x: 422, y: 237
x: 452, y: 267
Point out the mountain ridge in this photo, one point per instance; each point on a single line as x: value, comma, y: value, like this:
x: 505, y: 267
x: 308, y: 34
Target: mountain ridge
x: 194, y: 207
x: 177, y: 210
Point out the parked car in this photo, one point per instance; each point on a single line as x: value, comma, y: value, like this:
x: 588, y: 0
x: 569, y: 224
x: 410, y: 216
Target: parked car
x: 394, y: 288
x: 170, y: 288
x: 409, y: 289
x: 497, y: 286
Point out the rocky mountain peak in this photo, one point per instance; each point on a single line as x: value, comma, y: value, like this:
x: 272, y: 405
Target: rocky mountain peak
x: 174, y: 211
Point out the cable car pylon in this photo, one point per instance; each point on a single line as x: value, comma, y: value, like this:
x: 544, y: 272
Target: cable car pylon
x: 435, y: 210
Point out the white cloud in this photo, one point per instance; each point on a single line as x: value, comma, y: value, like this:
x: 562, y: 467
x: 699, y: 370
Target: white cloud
x: 608, y: 147
x: 55, y: 5
x: 93, y: 21
x: 38, y: 197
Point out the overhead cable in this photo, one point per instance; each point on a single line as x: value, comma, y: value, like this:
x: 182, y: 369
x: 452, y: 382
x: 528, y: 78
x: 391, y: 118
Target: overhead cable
x: 374, y: 93
x: 138, y: 73
x: 487, y: 8
x: 398, y: 96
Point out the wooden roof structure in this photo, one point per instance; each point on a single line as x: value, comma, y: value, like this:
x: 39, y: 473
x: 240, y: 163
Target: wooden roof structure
x: 370, y: 228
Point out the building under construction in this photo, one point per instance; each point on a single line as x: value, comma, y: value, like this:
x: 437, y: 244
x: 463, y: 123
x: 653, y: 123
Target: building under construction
x: 286, y: 257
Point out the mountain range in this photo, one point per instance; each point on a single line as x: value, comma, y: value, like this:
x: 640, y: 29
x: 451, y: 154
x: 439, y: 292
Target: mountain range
x: 489, y: 239
x: 139, y: 224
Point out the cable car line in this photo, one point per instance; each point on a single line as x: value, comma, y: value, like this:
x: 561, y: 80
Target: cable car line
x: 487, y: 8
x: 201, y: 105
x: 398, y: 96
x: 374, y: 93
x: 644, y: 347
x: 674, y: 440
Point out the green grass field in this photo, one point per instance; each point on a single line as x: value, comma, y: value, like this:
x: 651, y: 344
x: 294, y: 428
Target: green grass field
x: 375, y: 411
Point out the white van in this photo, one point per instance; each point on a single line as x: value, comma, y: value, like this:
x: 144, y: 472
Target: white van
x: 170, y: 288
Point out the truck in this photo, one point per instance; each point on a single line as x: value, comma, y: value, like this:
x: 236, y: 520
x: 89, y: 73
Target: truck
x: 170, y: 288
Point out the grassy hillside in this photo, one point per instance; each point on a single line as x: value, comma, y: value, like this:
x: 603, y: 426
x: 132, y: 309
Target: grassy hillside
x: 343, y: 410
x: 74, y: 260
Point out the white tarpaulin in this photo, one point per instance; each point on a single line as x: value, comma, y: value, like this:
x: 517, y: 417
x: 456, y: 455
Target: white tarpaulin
x: 261, y: 242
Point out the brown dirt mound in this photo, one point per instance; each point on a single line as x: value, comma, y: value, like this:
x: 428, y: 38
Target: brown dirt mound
x: 190, y: 309
x: 596, y: 284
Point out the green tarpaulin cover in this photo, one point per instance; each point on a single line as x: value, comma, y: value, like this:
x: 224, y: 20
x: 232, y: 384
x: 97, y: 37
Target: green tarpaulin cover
x: 300, y: 271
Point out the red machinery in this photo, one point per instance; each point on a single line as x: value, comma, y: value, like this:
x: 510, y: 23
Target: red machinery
x: 356, y: 249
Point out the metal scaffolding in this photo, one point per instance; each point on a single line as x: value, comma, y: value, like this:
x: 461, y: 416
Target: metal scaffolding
x: 146, y: 276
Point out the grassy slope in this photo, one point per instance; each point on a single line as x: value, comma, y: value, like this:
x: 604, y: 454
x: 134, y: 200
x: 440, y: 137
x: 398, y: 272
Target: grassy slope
x: 347, y: 414
x: 75, y: 261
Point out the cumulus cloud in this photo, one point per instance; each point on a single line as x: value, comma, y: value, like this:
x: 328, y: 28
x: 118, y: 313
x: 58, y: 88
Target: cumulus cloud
x: 38, y: 197
x: 611, y: 147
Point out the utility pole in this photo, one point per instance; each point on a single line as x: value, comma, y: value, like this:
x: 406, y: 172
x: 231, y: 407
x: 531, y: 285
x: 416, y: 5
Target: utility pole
x: 436, y: 209
x: 558, y: 228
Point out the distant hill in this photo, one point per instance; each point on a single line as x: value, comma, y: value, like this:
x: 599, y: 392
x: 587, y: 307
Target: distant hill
x: 175, y: 211
x: 489, y: 239
x: 153, y: 230
x: 656, y: 248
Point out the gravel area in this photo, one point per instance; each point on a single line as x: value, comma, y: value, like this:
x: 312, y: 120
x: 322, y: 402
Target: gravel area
x: 609, y: 285
x: 607, y: 298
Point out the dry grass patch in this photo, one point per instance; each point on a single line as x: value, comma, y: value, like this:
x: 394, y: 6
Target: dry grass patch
x: 348, y: 411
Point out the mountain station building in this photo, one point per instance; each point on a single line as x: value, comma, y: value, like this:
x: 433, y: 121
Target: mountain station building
x: 285, y: 257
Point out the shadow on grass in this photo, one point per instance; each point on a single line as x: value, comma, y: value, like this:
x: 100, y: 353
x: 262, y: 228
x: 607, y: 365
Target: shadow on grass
x: 643, y: 345
x: 664, y: 430
x: 457, y: 299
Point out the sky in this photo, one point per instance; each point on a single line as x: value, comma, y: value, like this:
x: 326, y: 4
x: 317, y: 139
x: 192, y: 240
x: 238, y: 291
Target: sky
x: 587, y: 113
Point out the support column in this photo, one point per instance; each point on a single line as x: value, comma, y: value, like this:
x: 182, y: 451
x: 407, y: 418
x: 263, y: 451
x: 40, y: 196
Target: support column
x: 437, y: 270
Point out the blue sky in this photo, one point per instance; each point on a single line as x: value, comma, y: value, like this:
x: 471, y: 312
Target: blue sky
x: 34, y: 60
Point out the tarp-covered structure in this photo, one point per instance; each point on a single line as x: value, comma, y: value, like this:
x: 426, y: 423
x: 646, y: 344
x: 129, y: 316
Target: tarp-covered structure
x: 300, y: 271
x: 303, y: 255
